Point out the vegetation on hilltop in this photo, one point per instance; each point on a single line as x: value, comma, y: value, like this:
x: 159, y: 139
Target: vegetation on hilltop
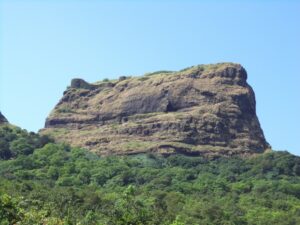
x: 57, y: 184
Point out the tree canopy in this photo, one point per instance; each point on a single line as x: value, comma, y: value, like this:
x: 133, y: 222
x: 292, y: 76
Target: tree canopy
x: 47, y: 183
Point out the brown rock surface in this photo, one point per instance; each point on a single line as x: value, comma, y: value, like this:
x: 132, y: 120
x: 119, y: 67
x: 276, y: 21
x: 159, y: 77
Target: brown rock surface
x: 205, y: 109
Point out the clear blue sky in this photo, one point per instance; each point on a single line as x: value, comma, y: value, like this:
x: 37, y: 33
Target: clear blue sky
x: 44, y: 44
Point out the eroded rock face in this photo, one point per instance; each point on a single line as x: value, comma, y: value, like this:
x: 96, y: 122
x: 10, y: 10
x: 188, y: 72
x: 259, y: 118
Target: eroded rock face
x: 206, y: 109
x: 3, y: 120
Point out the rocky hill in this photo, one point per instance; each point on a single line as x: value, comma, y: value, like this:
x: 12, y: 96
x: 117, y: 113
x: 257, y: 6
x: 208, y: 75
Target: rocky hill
x: 201, y: 110
x: 3, y: 120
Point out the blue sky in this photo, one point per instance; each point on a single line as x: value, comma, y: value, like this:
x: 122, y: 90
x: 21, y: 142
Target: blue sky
x: 44, y: 44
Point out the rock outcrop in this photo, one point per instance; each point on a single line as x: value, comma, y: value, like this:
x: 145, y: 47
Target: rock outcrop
x: 3, y: 120
x: 205, y: 109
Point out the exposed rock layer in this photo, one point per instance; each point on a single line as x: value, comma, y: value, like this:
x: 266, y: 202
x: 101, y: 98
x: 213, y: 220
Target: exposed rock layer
x: 205, y: 109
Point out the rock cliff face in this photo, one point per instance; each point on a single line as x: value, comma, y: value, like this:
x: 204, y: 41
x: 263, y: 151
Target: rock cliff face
x: 205, y: 109
x: 3, y: 120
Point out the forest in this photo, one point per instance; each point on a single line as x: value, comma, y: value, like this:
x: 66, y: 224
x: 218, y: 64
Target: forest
x: 43, y: 182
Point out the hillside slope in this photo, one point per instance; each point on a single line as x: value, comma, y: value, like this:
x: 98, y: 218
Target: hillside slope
x: 205, y: 109
x: 43, y: 182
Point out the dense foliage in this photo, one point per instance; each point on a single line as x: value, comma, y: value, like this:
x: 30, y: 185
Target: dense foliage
x: 14, y: 142
x: 56, y: 184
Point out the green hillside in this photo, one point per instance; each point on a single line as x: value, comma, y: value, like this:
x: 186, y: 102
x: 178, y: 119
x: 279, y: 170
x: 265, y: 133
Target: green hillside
x: 47, y: 183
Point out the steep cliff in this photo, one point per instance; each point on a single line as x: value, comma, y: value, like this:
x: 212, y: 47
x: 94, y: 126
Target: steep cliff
x: 205, y: 109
